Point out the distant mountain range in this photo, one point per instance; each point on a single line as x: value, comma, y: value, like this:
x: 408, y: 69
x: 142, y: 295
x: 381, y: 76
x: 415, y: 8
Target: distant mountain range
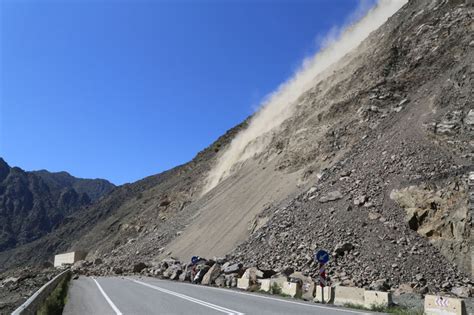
x: 33, y: 204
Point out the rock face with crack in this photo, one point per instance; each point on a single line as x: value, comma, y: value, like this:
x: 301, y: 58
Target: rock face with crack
x: 440, y: 214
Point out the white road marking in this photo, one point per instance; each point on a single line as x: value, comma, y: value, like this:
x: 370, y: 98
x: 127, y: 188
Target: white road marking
x: 112, y: 305
x: 191, y: 299
x: 271, y: 298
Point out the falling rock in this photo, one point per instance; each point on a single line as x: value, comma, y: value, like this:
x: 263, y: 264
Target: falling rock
x: 331, y: 196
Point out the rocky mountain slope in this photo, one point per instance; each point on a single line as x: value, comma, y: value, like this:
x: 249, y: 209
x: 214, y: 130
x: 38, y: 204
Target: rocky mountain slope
x: 394, y: 141
x: 32, y: 204
x: 371, y: 165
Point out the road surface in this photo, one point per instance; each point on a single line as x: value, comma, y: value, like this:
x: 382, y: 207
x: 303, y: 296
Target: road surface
x: 142, y: 295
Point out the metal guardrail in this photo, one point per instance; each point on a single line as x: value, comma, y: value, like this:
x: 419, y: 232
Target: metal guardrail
x: 32, y: 304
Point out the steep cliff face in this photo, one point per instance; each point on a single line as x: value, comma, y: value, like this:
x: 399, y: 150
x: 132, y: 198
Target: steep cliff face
x: 33, y: 204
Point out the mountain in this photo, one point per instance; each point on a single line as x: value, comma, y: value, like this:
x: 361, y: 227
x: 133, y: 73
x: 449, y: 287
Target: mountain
x: 93, y: 188
x: 33, y: 204
x: 365, y: 153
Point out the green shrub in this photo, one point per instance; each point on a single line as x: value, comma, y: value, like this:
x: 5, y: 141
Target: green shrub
x: 398, y: 310
x: 275, y: 289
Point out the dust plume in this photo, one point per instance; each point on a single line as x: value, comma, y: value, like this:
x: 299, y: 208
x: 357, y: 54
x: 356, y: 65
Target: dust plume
x: 279, y: 105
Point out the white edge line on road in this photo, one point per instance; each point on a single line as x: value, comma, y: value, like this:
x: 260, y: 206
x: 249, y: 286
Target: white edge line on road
x: 112, y: 305
x: 270, y: 298
x: 191, y: 299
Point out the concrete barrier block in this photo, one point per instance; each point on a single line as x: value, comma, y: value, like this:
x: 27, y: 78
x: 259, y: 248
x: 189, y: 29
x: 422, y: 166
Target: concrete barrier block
x: 243, y: 284
x: 324, y: 295
x: 348, y: 295
x: 291, y: 288
x: 377, y: 298
x: 265, y: 284
x: 441, y: 305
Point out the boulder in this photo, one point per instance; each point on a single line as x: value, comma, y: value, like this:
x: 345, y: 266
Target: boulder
x: 252, y: 274
x: 341, y: 248
x: 202, y: 270
x: 231, y: 280
x: 211, y: 274
x: 404, y: 288
x: 287, y: 271
x: 331, y: 196
x: 469, y: 119
x: 117, y: 270
x: 139, y: 267
x: 173, y: 272
x: 186, y: 274
x: 220, y: 281
x: 462, y: 292
x: 359, y: 201
x: 235, y: 268
x: 380, y: 285
x: 307, y: 285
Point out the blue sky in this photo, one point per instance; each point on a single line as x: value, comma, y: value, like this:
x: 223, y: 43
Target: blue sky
x: 126, y: 89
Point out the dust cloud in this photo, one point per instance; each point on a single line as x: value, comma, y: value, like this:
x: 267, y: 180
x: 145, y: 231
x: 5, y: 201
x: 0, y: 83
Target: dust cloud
x: 279, y: 105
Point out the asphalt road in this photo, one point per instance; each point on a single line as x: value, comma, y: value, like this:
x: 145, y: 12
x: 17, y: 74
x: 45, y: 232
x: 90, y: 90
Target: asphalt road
x: 127, y: 295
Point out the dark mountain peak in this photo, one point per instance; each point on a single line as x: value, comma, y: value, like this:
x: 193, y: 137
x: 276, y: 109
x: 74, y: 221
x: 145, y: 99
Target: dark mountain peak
x: 4, y: 169
x: 94, y: 188
x: 33, y: 204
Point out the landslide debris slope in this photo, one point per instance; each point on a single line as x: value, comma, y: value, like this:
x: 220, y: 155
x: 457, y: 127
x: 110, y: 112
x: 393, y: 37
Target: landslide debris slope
x: 390, y: 139
x: 32, y: 204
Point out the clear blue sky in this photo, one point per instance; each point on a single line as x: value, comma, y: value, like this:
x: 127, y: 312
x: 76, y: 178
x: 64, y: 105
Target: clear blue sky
x: 126, y: 89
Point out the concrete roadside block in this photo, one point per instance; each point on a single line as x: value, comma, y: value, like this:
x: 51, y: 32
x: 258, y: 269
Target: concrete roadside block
x: 328, y: 295
x: 291, y: 288
x: 348, y: 295
x: 243, y: 284
x: 265, y: 284
x: 441, y: 305
x: 377, y: 298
